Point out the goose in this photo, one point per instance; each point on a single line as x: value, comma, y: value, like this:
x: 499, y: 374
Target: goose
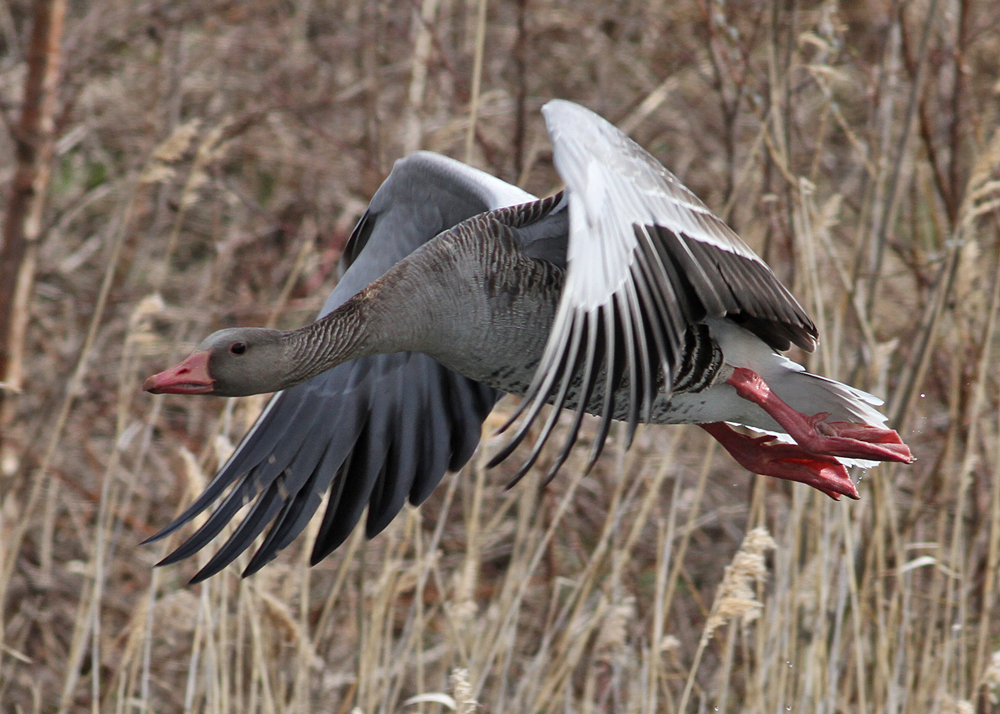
x: 621, y: 296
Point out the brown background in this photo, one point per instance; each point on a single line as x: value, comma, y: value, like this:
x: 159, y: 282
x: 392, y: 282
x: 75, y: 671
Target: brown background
x: 210, y: 159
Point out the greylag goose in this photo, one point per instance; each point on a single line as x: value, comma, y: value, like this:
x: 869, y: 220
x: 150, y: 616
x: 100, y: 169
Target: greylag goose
x: 622, y: 296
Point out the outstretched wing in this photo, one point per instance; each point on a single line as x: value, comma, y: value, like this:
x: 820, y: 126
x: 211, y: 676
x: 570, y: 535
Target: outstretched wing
x: 646, y: 260
x: 376, y: 431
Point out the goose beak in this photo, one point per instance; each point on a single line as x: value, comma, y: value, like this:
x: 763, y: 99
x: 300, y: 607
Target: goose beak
x: 189, y: 377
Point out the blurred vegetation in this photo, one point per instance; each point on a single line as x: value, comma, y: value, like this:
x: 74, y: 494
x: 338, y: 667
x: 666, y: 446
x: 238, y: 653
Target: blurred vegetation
x: 210, y: 160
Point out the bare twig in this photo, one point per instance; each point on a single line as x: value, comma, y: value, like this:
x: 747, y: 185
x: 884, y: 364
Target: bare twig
x: 22, y: 224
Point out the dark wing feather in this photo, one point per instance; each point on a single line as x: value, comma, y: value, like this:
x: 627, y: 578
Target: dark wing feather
x: 374, y: 432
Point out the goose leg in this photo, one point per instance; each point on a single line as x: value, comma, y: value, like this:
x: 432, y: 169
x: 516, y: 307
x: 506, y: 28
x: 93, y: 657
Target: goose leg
x: 819, y: 437
x: 787, y: 461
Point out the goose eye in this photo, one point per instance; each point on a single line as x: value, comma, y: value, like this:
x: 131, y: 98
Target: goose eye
x: 238, y: 348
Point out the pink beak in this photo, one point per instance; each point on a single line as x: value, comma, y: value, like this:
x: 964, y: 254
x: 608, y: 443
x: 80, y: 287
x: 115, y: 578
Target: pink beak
x: 189, y: 377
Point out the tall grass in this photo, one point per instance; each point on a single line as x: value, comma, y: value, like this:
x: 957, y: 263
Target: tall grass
x: 212, y: 160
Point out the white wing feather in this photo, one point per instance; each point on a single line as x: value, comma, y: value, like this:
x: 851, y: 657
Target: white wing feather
x: 646, y: 259
x: 614, y: 184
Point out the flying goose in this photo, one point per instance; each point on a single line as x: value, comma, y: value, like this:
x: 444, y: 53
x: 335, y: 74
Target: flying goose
x: 622, y: 296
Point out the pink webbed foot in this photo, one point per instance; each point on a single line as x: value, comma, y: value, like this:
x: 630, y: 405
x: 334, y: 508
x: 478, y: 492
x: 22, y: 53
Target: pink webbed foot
x: 761, y: 455
x: 817, y: 436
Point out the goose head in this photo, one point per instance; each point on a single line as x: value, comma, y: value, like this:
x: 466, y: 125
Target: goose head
x: 235, y: 362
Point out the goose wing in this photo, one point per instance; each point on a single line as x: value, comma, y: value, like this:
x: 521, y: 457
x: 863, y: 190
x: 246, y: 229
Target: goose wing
x: 646, y: 260
x: 374, y: 432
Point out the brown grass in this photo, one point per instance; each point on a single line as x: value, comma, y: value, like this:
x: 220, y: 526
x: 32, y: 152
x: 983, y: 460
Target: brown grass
x: 211, y: 159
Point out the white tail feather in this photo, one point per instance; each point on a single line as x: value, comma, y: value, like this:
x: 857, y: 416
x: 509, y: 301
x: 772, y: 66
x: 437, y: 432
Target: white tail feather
x: 810, y: 394
x: 803, y: 391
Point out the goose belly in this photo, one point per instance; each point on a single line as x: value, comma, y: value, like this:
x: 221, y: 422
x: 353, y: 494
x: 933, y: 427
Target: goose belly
x: 508, y: 358
x: 718, y: 402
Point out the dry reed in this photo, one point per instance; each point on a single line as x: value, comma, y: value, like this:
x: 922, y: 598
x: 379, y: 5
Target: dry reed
x: 210, y: 162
